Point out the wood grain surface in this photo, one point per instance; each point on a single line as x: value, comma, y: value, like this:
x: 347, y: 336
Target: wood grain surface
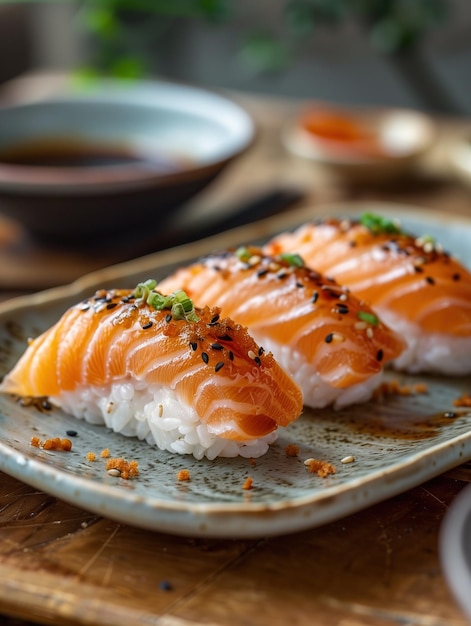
x: 61, y: 565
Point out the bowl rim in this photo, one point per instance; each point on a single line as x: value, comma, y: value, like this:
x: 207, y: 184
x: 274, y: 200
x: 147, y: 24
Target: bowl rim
x: 161, y: 94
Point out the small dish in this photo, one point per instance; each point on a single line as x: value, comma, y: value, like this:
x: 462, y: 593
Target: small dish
x: 455, y: 549
x: 113, y: 156
x: 363, y: 144
x: 459, y: 156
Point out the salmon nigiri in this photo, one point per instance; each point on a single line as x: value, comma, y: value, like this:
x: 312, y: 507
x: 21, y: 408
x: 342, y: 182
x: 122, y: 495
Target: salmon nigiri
x: 417, y: 288
x: 332, y: 343
x: 154, y: 367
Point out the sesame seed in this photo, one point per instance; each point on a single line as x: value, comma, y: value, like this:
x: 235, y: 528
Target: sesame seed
x: 360, y: 325
x: 114, y: 472
x: 111, y: 305
x: 379, y: 355
x: 430, y: 280
x: 214, y: 320
x: 193, y: 345
x: 168, y: 317
x: 85, y: 306
x: 205, y: 357
x: 148, y: 325
x: 347, y: 459
x: 216, y: 346
x: 273, y: 267
x: 329, y: 338
x: 231, y: 355
x: 257, y: 360
x: 343, y: 297
x: 263, y: 272
x: 71, y: 433
x: 161, y: 409
x: 251, y: 354
x: 261, y: 351
x: 315, y: 297
x: 254, y: 260
x: 369, y: 333
x: 218, y: 366
x: 456, y: 276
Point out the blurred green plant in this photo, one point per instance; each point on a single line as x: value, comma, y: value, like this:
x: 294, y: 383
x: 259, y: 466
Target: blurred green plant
x: 124, y: 31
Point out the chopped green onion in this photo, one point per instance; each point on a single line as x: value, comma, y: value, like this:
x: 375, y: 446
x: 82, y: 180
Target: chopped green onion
x: 378, y: 224
x: 369, y: 318
x: 178, y: 302
x: 293, y: 259
x: 243, y: 254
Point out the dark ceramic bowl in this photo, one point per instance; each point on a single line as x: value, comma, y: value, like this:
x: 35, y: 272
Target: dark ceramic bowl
x: 114, y: 156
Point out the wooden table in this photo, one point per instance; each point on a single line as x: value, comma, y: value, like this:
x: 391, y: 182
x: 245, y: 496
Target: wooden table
x: 62, y: 565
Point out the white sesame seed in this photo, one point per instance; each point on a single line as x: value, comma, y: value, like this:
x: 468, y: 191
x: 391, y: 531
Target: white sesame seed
x: 109, y: 407
x: 309, y: 461
x: 347, y: 459
x: 338, y: 337
x: 343, y: 297
x: 251, y: 354
x: 360, y: 325
x: 254, y: 259
x: 161, y: 409
x: 273, y: 267
x: 114, y: 472
x: 369, y: 333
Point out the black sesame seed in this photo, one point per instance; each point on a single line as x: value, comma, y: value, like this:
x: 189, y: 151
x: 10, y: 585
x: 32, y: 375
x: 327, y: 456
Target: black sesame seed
x: 71, y: 433
x: 430, y: 280
x: 111, y: 305
x: 205, y: 357
x: 231, y: 355
x: 456, y: 276
x: 193, y: 345
x: 315, y: 297
x: 168, y: 317
x: 216, y: 346
x: 418, y: 269
x: 261, y: 351
x: 165, y: 585
x: 281, y: 275
x: 329, y: 338
x: 218, y: 366
x: 214, y: 320
x: 148, y: 325
x: 379, y: 355
x: 298, y: 284
x: 261, y: 273
x: 257, y: 360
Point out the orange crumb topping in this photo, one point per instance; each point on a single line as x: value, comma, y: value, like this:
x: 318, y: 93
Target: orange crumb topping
x: 464, y: 400
x: 55, y: 443
x: 127, y: 469
x: 91, y: 456
x: 105, y: 453
x: 183, y: 474
x: 321, y: 468
x: 292, y: 450
x: 253, y: 462
x: 248, y: 484
x: 393, y: 388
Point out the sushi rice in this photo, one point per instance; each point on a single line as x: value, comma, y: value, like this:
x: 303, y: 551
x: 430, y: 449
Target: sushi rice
x: 154, y: 414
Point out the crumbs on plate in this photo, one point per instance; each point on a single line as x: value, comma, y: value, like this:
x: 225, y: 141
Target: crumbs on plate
x: 321, y: 468
x: 292, y: 450
x: 464, y: 400
x: 183, y: 475
x: 55, y: 443
x: 394, y: 388
x: 248, y: 483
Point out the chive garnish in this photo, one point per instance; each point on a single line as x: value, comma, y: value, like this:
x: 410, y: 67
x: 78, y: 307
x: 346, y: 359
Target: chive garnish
x: 377, y: 224
x: 178, y: 302
x: 293, y: 259
x: 370, y: 318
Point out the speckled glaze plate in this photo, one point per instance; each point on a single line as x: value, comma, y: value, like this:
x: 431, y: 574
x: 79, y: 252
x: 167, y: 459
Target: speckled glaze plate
x: 397, y: 443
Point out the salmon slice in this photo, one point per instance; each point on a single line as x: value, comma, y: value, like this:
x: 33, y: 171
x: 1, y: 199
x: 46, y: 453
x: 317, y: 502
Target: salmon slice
x: 209, y: 363
x: 411, y: 282
x: 328, y: 339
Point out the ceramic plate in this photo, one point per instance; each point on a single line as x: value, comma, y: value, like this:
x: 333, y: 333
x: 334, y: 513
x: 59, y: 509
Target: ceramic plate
x: 396, y: 444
